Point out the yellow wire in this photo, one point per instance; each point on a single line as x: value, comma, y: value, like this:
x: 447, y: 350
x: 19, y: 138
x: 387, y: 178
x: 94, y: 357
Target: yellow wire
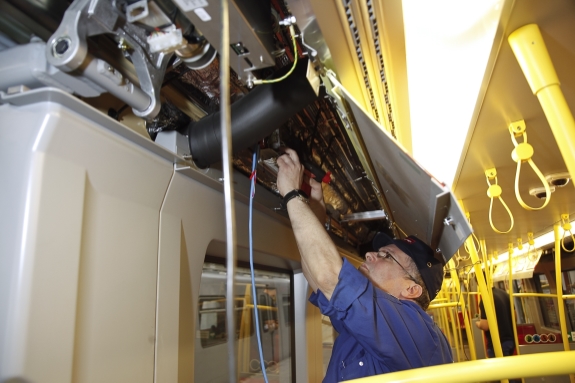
x: 399, y: 228
x: 295, y: 55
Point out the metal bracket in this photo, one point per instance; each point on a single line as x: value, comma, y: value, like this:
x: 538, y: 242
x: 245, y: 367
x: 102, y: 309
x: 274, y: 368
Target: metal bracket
x: 365, y: 216
x: 67, y: 48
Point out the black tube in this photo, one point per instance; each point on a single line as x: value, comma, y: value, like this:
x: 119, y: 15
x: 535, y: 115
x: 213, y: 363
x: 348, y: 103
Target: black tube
x: 254, y: 116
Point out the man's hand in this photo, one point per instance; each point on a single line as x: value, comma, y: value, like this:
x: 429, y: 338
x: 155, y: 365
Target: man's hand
x: 482, y: 324
x: 290, y: 174
x: 316, y: 200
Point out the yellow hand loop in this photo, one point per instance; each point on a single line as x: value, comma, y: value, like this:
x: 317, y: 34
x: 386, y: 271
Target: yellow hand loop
x: 494, y: 191
x: 523, y: 153
x: 457, y: 259
x: 566, y: 229
x: 531, y: 253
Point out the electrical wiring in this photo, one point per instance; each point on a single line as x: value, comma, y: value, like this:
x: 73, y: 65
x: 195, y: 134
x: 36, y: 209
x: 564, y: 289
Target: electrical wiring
x: 295, y: 55
x: 253, y: 177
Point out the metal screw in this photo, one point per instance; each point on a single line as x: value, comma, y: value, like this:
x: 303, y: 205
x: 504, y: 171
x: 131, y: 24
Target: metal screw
x: 122, y: 44
x: 61, y: 46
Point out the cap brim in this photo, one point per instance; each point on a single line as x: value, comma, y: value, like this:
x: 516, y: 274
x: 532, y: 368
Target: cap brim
x: 380, y: 240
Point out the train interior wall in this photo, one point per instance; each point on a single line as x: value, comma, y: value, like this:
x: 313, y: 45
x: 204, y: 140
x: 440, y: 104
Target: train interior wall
x: 125, y: 237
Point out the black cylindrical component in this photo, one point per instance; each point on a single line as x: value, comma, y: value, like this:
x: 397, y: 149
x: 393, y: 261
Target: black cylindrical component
x: 254, y: 116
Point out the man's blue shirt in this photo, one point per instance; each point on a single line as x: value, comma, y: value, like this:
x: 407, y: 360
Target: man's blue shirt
x: 378, y: 333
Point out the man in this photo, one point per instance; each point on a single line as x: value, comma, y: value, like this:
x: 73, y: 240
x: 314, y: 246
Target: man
x: 377, y: 310
x: 268, y: 318
x: 268, y: 314
x: 504, y: 323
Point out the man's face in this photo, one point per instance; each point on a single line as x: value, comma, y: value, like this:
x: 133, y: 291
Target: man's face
x: 383, y: 271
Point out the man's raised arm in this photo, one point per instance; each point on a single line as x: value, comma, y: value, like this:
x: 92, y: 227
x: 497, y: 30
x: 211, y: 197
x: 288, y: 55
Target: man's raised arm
x: 321, y: 260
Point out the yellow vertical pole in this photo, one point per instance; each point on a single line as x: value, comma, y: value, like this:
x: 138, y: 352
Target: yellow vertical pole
x: 445, y: 325
x: 468, y: 329
x: 488, y: 271
x: 486, y: 298
x: 455, y: 322
x: 559, y: 288
x: 457, y: 329
x: 533, y: 57
x: 511, y: 301
x: 460, y: 334
x: 456, y: 342
x: 247, y: 313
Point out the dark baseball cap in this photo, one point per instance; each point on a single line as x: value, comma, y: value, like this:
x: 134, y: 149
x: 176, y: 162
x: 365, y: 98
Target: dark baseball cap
x: 430, y: 268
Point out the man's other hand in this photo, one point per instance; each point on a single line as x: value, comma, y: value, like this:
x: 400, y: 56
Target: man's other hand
x: 290, y: 174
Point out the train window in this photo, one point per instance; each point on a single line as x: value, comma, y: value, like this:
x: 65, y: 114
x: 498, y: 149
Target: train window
x: 212, y: 310
x: 519, y: 309
x: 568, y: 284
x: 273, y: 290
x: 548, y: 308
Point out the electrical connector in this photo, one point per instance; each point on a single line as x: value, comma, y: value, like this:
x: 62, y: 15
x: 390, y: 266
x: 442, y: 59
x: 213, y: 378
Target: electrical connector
x: 166, y: 40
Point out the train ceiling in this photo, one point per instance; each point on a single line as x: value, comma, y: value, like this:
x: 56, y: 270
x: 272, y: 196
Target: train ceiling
x: 508, y: 98
x: 363, y: 43
x: 504, y: 97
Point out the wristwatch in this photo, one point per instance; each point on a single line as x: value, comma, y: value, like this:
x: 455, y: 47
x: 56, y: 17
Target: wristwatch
x: 296, y: 193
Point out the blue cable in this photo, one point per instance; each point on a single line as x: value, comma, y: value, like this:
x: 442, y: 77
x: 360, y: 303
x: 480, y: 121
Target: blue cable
x: 254, y: 296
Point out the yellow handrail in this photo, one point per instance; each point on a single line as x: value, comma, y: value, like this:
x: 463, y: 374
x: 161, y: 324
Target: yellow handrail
x: 531, y: 53
x: 487, y: 300
x: 461, y: 301
x: 542, y: 295
x: 511, y: 303
x: 559, y: 289
x: 526, y: 366
x: 440, y: 305
x: 456, y: 338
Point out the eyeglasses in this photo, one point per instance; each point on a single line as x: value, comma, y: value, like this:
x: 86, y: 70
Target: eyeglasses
x: 386, y: 254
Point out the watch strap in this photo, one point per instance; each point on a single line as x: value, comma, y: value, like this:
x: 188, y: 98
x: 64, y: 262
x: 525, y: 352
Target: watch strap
x: 296, y: 193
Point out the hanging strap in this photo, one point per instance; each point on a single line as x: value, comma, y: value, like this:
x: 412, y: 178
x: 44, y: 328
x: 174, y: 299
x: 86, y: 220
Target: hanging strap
x: 566, y: 229
x: 494, y: 192
x: 523, y: 152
